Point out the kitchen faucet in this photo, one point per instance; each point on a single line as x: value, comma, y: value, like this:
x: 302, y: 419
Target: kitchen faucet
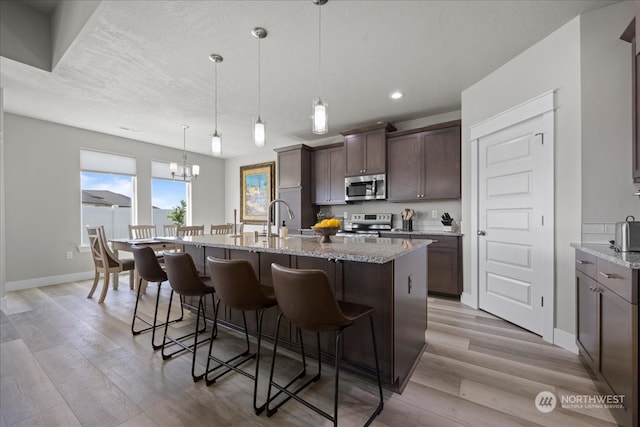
x: 291, y: 214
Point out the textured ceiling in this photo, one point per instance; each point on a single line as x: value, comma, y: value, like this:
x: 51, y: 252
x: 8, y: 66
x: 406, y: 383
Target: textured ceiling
x: 144, y: 65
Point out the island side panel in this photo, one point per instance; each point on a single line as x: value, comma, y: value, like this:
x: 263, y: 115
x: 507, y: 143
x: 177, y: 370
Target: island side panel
x: 370, y: 284
x: 410, y: 315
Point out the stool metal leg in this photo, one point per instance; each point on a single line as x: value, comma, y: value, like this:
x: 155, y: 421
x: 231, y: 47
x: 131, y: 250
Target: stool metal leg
x: 169, y: 341
x: 285, y: 389
x: 293, y: 395
x: 375, y: 352
x: 151, y: 326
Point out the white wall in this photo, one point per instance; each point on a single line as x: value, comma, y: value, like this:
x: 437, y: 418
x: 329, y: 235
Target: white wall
x: 3, y: 252
x: 42, y: 170
x: 552, y: 63
x: 607, y: 186
x: 590, y: 68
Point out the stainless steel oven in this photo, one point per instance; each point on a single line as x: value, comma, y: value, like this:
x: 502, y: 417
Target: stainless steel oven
x: 365, y: 187
x: 367, y: 224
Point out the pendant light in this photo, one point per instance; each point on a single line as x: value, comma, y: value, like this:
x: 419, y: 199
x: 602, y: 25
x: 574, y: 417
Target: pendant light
x: 183, y: 170
x: 216, y: 138
x: 320, y: 125
x: 259, y: 130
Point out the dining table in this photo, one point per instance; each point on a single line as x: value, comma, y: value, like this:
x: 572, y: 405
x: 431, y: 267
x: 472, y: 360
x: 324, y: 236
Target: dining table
x: 125, y: 245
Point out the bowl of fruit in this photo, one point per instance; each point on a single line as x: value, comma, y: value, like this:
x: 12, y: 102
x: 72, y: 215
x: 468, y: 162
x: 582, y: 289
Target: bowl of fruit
x: 327, y: 228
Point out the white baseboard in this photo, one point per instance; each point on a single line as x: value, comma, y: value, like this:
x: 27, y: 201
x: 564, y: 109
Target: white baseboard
x: 467, y: 299
x: 19, y: 285
x: 565, y: 340
x: 3, y: 303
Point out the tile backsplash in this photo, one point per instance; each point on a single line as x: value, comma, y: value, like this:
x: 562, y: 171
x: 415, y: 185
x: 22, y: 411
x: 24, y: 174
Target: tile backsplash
x: 594, y: 232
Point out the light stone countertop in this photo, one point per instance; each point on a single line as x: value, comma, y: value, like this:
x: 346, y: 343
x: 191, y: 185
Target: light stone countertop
x: 605, y: 251
x: 378, y: 250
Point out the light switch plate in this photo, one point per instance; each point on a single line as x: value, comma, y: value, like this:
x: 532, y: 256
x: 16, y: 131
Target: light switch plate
x: 434, y: 214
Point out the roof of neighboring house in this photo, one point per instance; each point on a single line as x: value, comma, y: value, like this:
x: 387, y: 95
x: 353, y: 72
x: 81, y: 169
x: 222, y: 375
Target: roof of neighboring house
x: 105, y: 197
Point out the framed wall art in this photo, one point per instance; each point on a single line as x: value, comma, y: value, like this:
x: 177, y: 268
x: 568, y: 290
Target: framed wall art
x: 257, y: 190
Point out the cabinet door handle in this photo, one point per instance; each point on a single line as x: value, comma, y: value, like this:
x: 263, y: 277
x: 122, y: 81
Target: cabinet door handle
x: 579, y: 261
x: 592, y: 289
x: 609, y: 275
x: 409, y: 284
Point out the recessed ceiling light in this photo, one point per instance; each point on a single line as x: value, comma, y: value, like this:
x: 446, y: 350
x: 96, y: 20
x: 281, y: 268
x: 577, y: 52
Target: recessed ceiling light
x: 397, y: 95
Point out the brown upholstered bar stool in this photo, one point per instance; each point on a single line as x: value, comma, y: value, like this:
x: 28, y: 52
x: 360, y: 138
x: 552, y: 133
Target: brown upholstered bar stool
x: 306, y: 299
x: 238, y: 288
x: 184, y: 280
x: 149, y: 269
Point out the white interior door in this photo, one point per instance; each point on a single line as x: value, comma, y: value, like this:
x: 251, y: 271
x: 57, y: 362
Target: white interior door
x: 515, y: 222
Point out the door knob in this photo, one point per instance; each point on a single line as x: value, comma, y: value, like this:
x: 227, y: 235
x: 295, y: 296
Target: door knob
x: 481, y: 233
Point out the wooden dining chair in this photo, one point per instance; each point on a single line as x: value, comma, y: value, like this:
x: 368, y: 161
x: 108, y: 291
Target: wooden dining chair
x: 105, y: 261
x: 142, y: 231
x: 170, y: 230
x: 190, y: 230
x: 221, y: 229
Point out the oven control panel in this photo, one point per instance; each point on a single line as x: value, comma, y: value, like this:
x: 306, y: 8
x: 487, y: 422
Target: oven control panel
x: 371, y: 218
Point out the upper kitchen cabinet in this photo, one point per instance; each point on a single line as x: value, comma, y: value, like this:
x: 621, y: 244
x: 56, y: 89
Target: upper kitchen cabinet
x: 294, y: 186
x: 365, y: 150
x: 424, y: 164
x: 327, y: 166
x: 630, y: 36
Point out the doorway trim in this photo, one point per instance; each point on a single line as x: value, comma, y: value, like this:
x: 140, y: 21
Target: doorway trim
x: 538, y: 106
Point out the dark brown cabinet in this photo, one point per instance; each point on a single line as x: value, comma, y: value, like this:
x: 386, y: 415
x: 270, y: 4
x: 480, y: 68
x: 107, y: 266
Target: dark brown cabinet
x: 294, y: 186
x: 327, y: 165
x: 607, y: 329
x: 424, y: 164
x: 365, y: 150
x: 444, y: 262
x: 630, y: 36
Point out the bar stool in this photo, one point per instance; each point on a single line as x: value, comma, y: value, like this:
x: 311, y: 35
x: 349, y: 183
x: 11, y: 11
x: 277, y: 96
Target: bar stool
x: 149, y: 269
x: 238, y: 288
x: 306, y: 299
x: 184, y: 280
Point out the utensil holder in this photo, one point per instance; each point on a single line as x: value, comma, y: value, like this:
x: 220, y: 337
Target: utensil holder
x: 407, y: 224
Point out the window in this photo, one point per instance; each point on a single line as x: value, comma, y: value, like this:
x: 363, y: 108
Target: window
x: 107, y: 184
x: 167, y: 194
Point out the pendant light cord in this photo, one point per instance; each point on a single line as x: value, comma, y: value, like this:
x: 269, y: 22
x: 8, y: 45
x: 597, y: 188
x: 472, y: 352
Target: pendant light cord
x: 215, y: 118
x: 319, y: 51
x: 259, y: 61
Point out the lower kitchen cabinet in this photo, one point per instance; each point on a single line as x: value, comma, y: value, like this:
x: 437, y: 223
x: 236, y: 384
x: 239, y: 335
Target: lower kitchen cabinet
x: 607, y: 329
x: 444, y: 261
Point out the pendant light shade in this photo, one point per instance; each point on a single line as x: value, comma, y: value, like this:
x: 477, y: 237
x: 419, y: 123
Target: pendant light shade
x: 259, y: 133
x: 216, y: 139
x: 259, y: 129
x: 319, y: 117
x: 216, y: 144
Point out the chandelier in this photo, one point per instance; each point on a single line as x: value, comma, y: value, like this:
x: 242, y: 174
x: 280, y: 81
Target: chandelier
x: 183, y: 170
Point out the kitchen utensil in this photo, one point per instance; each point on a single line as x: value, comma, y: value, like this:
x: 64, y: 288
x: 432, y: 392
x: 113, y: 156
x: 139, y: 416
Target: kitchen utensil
x: 627, y: 235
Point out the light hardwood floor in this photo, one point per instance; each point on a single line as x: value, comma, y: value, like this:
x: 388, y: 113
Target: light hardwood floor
x: 67, y: 361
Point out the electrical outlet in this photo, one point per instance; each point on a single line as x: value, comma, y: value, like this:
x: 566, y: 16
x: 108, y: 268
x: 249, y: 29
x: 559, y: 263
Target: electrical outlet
x: 434, y: 214
x: 69, y: 255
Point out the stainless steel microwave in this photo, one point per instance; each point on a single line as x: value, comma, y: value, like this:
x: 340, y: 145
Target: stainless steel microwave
x: 365, y: 187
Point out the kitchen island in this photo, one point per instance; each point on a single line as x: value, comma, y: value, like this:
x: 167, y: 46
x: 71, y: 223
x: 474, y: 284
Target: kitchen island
x: 385, y: 273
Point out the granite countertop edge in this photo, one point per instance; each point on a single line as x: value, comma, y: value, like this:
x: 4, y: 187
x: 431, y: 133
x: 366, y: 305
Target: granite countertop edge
x: 254, y: 247
x: 605, y: 251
